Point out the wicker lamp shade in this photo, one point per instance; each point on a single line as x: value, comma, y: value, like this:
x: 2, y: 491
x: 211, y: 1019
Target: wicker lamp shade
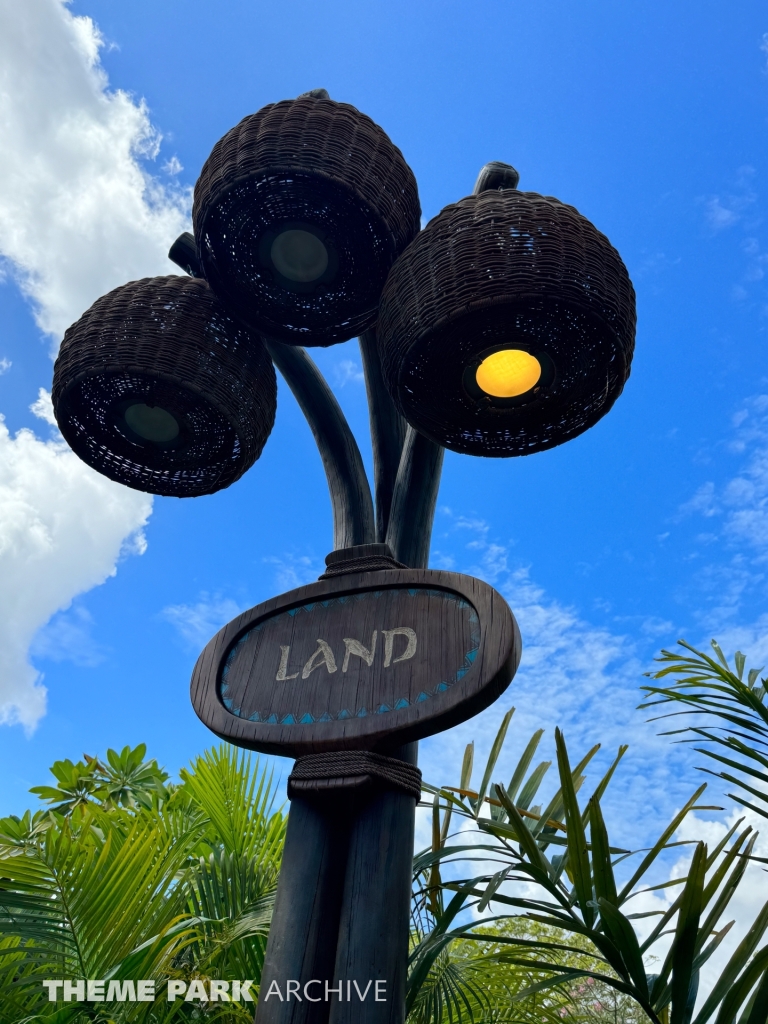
x: 507, y: 283
x: 299, y: 213
x: 157, y: 387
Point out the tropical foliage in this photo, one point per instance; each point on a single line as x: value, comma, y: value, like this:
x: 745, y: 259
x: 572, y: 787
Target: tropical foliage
x: 522, y: 909
x: 582, y: 889
x: 126, y: 780
x: 127, y: 877
x: 734, y: 713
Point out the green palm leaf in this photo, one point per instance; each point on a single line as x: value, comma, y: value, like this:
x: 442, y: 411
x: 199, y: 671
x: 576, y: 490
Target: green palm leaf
x: 575, y: 894
x: 709, y: 687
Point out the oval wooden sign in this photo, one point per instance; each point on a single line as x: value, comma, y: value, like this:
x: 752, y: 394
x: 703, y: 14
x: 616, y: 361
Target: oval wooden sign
x: 364, y: 661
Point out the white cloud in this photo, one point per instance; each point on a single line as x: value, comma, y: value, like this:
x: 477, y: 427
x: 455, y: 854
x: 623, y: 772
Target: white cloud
x: 654, y: 263
x: 741, y: 504
x: 567, y: 662
x: 736, y: 514
x: 719, y: 216
x: 67, y: 637
x: 42, y: 407
x: 5, y: 365
x: 703, y: 501
x: 347, y: 371
x: 724, y: 212
x: 63, y: 529
x: 573, y: 674
x: 586, y: 679
x: 749, y: 897
x: 79, y: 215
x: 197, y: 623
x: 173, y: 166
x: 292, y: 570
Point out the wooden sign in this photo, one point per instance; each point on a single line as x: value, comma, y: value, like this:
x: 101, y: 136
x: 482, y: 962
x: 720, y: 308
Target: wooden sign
x: 361, y: 661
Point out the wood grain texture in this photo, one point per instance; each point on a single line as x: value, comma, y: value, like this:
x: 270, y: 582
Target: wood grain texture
x: 304, y: 929
x: 414, y: 499
x: 350, y: 492
x: 295, y: 673
x: 375, y: 911
x: 387, y: 434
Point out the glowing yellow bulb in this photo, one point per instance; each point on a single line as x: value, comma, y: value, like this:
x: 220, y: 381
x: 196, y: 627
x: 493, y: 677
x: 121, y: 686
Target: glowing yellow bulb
x: 508, y: 373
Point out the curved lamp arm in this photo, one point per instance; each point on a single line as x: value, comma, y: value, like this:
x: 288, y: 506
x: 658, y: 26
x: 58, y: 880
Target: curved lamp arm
x: 353, y: 521
x: 387, y: 432
x: 414, y: 499
x: 406, y: 466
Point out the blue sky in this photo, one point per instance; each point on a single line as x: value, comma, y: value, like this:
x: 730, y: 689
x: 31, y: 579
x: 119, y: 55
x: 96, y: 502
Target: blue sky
x: 649, y: 118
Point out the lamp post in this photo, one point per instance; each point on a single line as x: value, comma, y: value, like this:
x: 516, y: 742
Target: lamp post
x: 504, y: 327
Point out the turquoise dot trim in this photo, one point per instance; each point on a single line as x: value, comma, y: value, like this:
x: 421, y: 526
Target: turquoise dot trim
x: 299, y: 717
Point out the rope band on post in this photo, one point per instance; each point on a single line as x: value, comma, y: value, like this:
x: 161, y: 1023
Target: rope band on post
x: 351, y: 769
x: 360, y: 558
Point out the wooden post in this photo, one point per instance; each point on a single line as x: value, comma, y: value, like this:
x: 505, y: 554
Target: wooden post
x: 303, y: 934
x: 338, y: 943
x: 375, y: 913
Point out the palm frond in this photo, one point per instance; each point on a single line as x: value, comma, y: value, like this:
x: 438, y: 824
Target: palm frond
x: 237, y: 797
x: 735, y: 711
x: 575, y: 894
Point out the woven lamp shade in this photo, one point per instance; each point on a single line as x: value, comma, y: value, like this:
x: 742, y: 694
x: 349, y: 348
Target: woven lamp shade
x: 499, y: 271
x: 157, y: 387
x: 299, y: 213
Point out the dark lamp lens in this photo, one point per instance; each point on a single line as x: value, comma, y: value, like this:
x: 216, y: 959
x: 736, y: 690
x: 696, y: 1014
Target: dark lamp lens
x: 299, y: 255
x: 152, y: 423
